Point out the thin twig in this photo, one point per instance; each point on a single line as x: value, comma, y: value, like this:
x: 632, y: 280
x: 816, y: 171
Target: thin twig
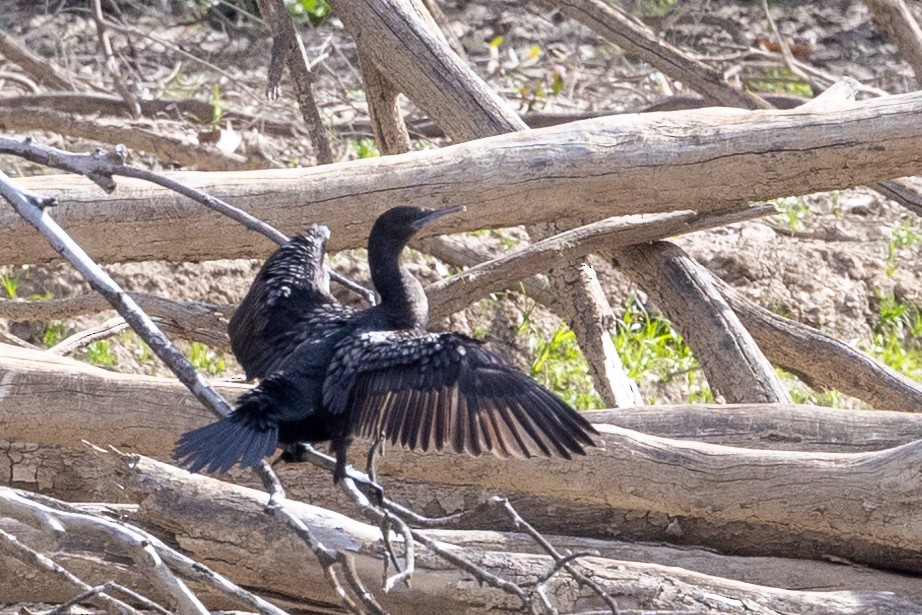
x: 105, y: 45
x: 126, y: 30
x: 12, y: 546
x: 377, y: 514
x: 328, y: 558
x: 560, y: 560
x: 64, y: 607
x: 784, y: 47
x: 141, y: 552
x: 181, y: 564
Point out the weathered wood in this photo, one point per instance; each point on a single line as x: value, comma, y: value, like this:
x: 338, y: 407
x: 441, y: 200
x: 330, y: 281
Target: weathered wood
x: 89, y: 401
x: 774, y: 572
x: 225, y: 526
x: 407, y: 49
x: 288, y: 45
x: 614, y: 24
x: 191, y: 320
x: 734, y: 366
x: 634, y: 485
x: 704, y: 159
x: 896, y: 17
x: 788, y: 427
x: 822, y: 361
x: 48, y: 399
x: 504, y: 273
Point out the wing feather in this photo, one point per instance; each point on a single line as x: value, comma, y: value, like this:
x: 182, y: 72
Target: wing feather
x: 427, y: 390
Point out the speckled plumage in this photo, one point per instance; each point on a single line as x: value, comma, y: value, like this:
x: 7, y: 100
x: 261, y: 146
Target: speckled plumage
x: 331, y: 373
x: 288, y: 303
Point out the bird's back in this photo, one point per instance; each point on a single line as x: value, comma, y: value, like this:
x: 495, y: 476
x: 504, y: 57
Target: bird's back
x: 288, y: 303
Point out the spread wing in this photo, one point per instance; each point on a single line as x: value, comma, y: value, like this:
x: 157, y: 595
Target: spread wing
x: 287, y: 302
x: 442, y: 390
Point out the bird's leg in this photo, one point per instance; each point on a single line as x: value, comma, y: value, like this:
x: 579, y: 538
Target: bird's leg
x: 291, y: 453
x: 374, y: 456
x: 338, y: 449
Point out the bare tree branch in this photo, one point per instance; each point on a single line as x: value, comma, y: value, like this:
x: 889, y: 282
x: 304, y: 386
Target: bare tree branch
x: 135, y: 546
x: 288, y: 49
x: 42, y: 71
x: 897, y: 19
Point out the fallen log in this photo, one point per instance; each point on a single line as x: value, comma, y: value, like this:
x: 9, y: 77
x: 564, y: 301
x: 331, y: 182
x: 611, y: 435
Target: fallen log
x: 857, y: 506
x: 226, y: 527
x: 704, y: 159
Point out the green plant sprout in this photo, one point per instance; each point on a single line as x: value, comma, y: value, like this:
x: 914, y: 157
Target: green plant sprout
x: 206, y: 360
x: 903, y: 236
x: 364, y: 148
x: 794, y: 211
x: 100, y: 353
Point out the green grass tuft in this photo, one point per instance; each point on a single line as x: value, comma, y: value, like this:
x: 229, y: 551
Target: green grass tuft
x: 897, y: 338
x: 100, y: 353
x: 206, y: 360
x: 364, y: 148
x: 559, y: 365
x: 55, y: 333
x: 314, y: 12
x: 10, y: 283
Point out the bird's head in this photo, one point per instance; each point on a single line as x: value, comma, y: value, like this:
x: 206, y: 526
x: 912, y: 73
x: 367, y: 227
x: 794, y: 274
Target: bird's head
x: 399, y: 224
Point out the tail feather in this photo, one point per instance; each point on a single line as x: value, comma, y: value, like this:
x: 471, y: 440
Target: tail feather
x: 221, y: 445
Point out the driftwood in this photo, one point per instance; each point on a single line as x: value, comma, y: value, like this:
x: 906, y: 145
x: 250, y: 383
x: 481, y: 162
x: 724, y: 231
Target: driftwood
x: 717, y: 159
x: 639, y: 486
x: 683, y: 290
x: 242, y: 543
x: 851, y: 498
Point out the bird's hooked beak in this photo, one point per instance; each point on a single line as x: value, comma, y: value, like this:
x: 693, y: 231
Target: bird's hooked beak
x: 435, y: 215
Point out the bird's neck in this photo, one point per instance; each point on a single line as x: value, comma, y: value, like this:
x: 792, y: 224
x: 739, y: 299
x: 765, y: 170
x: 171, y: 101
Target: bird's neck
x: 403, y: 300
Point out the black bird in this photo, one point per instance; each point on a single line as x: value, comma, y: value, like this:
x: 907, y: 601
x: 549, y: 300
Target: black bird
x: 331, y: 373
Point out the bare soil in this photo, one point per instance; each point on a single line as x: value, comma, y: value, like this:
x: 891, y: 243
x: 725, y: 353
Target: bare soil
x: 828, y: 269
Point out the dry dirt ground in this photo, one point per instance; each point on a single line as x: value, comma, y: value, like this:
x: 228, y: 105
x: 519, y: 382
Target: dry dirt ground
x: 827, y: 261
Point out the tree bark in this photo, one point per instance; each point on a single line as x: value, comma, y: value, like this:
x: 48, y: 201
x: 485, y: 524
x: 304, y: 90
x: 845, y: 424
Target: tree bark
x: 483, y: 277
x: 822, y: 361
x: 734, y: 366
x: 613, y: 24
x: 858, y: 506
x: 706, y: 159
x: 403, y: 46
x: 225, y: 527
x: 778, y: 427
x: 897, y: 19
